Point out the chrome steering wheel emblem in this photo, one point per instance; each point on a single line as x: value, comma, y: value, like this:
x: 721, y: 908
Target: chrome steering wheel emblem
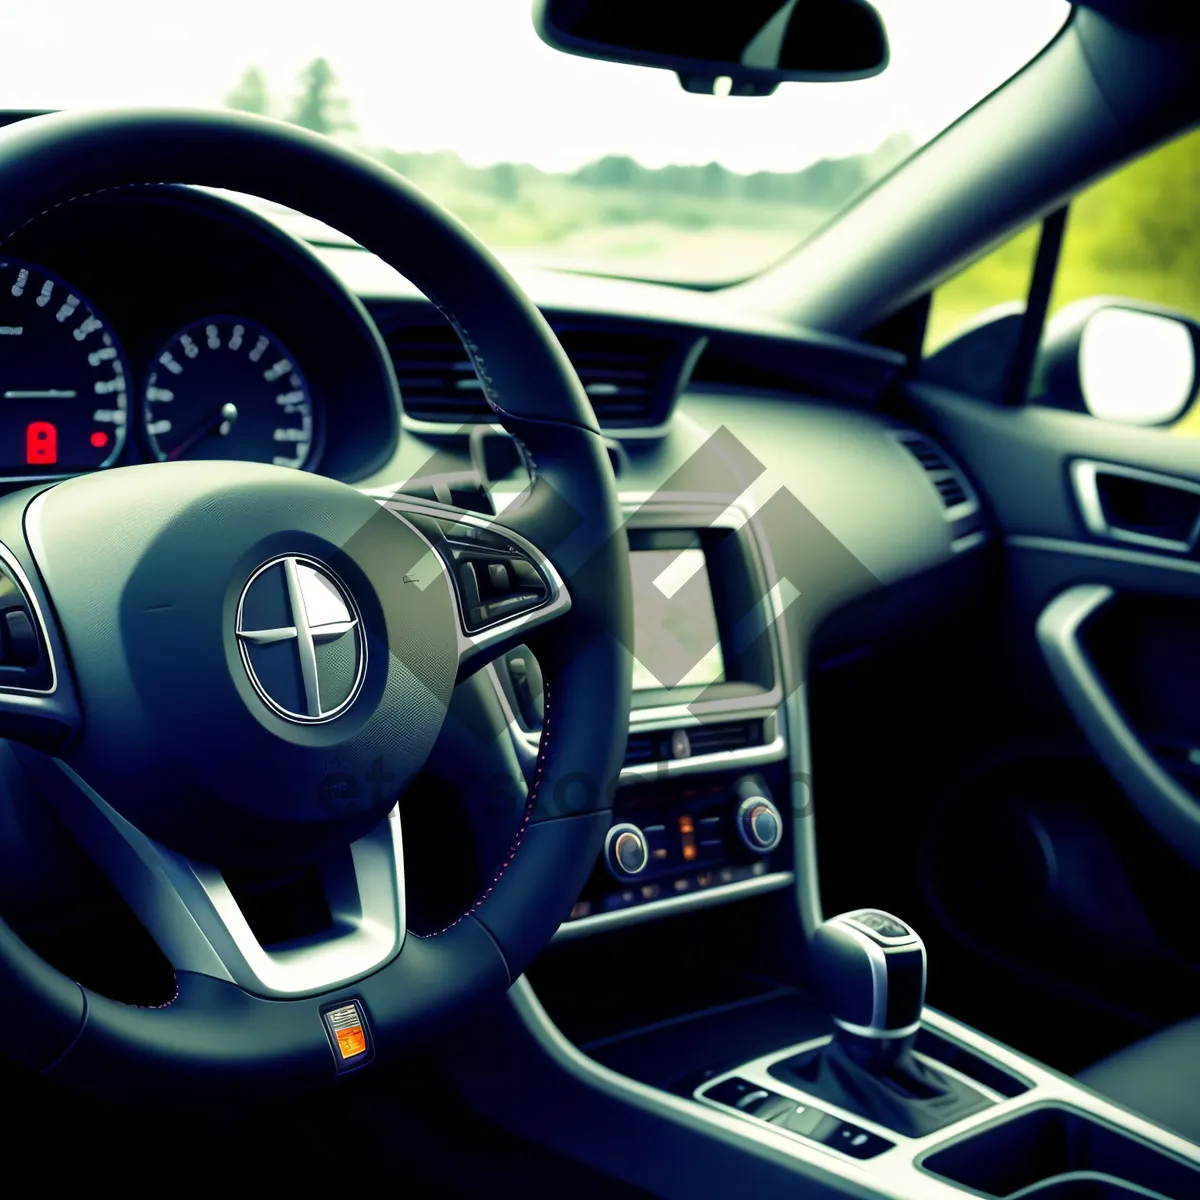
x: 301, y: 639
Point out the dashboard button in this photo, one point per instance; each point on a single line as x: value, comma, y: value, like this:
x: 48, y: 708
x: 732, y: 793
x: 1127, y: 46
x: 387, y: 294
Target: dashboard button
x: 764, y: 824
x: 759, y: 824
x: 629, y: 851
x: 769, y: 1109
x: 747, y: 1097
x: 852, y: 1140
x: 799, y: 1118
x: 625, y: 851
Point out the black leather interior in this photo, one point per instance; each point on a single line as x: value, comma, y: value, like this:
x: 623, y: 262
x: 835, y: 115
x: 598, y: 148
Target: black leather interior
x: 571, y: 513
x: 1158, y: 1077
x: 908, y: 1096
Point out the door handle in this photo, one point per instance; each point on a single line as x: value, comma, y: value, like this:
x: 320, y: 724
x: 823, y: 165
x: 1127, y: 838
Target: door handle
x: 1126, y: 504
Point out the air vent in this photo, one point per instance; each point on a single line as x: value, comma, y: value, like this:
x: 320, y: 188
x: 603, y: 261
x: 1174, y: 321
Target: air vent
x: 641, y: 748
x: 951, y: 491
x: 733, y: 735
x: 437, y: 378
x: 926, y: 453
x: 951, y: 485
x: 624, y: 374
x: 668, y: 745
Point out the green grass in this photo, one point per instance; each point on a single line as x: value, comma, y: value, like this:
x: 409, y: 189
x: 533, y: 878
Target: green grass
x: 1135, y: 234
x: 701, y: 238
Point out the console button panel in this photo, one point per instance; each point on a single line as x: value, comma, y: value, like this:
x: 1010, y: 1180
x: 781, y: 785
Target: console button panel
x: 693, y: 839
x: 803, y: 1120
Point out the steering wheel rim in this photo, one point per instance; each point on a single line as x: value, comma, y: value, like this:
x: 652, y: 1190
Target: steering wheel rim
x: 216, y: 1035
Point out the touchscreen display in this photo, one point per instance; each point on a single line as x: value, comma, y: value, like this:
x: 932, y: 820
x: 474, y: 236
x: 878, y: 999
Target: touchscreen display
x: 676, y: 643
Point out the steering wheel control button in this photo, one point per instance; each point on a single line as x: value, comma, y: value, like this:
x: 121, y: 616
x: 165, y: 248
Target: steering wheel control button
x: 349, y: 1035
x: 475, y: 535
x: 301, y: 639
x: 496, y: 580
x: 759, y: 824
x: 23, y: 660
x: 468, y: 582
x: 526, y: 574
x: 486, y: 587
x: 20, y: 638
x: 626, y: 851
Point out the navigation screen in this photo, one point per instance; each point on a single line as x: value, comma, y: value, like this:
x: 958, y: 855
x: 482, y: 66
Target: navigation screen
x: 676, y: 643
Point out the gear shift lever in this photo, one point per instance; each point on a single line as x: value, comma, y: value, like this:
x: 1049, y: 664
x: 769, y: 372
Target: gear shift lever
x: 871, y: 970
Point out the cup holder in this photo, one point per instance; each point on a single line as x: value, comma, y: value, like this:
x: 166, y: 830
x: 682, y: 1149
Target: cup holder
x: 1053, y: 1152
x: 1086, y: 1185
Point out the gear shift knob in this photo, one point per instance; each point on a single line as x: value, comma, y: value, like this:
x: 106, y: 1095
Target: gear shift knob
x: 870, y: 967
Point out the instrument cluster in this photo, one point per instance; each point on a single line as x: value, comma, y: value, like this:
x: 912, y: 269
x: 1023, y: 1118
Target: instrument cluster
x: 166, y: 323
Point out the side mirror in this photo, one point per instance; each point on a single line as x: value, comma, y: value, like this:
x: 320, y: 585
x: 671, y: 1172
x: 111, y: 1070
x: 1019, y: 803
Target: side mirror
x: 1121, y: 360
x: 756, y: 44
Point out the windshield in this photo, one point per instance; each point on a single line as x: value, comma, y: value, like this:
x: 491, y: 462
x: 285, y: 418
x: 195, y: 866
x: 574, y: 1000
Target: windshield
x: 549, y: 157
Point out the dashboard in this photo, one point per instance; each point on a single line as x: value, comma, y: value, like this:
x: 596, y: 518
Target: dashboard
x: 163, y: 323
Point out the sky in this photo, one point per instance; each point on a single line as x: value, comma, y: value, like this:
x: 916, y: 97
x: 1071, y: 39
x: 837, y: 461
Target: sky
x: 473, y: 77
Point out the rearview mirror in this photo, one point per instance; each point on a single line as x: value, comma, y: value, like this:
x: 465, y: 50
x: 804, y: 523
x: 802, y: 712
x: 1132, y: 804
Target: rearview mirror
x: 1121, y: 360
x: 755, y: 44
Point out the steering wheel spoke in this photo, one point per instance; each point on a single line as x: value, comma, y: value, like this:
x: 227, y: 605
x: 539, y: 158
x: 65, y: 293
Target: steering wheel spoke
x: 504, y: 586
x: 194, y: 916
x: 38, y: 705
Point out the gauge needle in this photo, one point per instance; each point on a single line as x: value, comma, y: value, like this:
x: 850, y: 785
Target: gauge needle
x: 226, y: 416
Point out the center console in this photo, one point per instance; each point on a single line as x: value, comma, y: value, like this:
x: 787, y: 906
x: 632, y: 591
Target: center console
x: 701, y: 809
x: 646, y: 1062
x: 719, y: 1038
x: 929, y: 1107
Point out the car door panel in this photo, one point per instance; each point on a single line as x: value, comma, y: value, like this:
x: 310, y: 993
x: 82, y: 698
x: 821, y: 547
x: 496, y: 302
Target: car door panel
x: 1087, y: 729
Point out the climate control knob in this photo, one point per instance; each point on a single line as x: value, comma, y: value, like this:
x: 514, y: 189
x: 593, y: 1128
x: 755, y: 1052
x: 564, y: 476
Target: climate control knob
x: 626, y: 851
x: 759, y: 824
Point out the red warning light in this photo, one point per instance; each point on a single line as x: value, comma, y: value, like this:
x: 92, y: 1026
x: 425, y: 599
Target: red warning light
x: 41, y: 444
x: 99, y: 439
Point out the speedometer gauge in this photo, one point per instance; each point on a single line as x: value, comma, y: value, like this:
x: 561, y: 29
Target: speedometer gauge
x: 62, y: 377
x: 225, y: 387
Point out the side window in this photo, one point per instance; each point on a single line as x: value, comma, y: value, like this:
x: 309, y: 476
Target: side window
x: 1122, y: 332
x: 1122, y: 335
x: 1136, y: 233
x: 1000, y: 278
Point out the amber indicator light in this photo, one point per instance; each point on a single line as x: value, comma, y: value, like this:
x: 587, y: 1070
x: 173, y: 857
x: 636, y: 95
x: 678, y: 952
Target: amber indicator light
x: 351, y: 1041
x: 347, y: 1033
x: 687, y: 837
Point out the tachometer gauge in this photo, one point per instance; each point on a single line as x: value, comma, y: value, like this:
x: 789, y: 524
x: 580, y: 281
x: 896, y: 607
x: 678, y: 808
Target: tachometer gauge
x: 225, y: 387
x: 62, y: 377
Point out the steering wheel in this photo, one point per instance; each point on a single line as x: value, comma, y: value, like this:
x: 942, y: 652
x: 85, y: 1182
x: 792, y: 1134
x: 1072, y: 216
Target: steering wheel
x: 237, y: 666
